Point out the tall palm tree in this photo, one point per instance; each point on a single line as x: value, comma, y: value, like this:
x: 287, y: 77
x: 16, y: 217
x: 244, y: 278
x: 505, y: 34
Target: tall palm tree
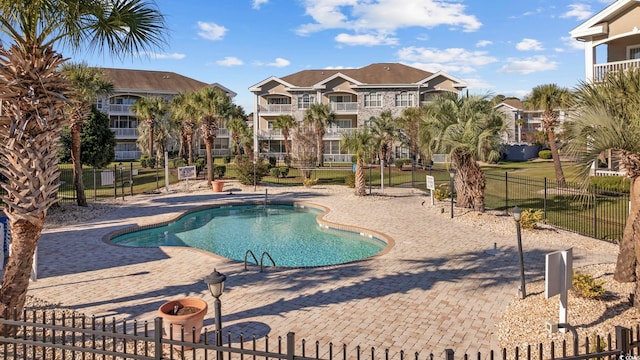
x: 285, y: 123
x: 320, y: 117
x: 468, y: 129
x: 33, y: 100
x: 607, y: 117
x: 212, y: 107
x: 149, y: 110
x: 549, y: 98
x: 384, y: 132
x: 184, y: 113
x: 87, y: 83
x: 236, y: 124
x: 246, y: 141
x: 360, y: 143
x: 409, y: 129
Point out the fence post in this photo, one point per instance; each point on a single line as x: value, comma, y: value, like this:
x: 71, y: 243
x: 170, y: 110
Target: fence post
x: 448, y: 353
x: 291, y: 345
x: 622, y: 340
x: 506, y: 192
x: 157, y: 334
x: 131, y: 178
x: 95, y: 185
x: 115, y: 181
x: 389, y: 165
x: 544, y: 201
x: 595, y: 212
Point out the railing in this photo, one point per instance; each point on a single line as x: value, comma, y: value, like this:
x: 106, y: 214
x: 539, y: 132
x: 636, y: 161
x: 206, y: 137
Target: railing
x: 51, y: 335
x: 332, y: 131
x: 275, y: 108
x: 342, y: 107
x: 269, y: 132
x: 128, y: 155
x: 120, y: 108
x: 129, y: 133
x: 600, y: 70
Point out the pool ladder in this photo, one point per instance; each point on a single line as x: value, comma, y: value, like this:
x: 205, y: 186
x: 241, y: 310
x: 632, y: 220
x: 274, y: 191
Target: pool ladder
x: 249, y: 252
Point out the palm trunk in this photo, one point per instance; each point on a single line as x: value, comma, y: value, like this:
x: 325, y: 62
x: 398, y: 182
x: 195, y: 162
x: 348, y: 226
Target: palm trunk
x: 78, y: 184
x: 320, y: 136
x: 189, y: 149
x: 626, y: 265
x: 361, y: 183
x: 208, y: 146
x: 556, y: 158
x: 150, y: 139
x: 287, y: 149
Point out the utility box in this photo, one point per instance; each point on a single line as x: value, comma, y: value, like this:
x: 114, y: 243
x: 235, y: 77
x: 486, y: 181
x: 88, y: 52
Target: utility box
x: 5, y: 237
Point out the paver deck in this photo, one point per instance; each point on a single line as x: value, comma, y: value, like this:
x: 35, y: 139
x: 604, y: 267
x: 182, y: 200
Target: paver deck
x: 439, y: 287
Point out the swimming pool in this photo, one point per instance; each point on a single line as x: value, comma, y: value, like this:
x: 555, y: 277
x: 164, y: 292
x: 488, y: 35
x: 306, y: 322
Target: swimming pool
x: 290, y: 234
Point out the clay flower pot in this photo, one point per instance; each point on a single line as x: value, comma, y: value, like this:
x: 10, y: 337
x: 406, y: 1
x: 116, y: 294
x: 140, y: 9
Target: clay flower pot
x: 217, y: 185
x: 187, y: 313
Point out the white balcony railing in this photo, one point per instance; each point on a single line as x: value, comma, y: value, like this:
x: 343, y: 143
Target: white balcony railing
x: 334, y: 131
x: 270, y: 133
x: 275, y: 108
x: 601, y: 70
x: 117, y: 108
x: 125, y: 133
x: 344, y: 107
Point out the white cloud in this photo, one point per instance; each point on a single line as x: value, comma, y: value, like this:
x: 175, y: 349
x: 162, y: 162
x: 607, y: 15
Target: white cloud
x: 173, y: 56
x: 454, y: 60
x: 578, y: 11
x: 483, y: 43
x: 229, y: 61
x: 529, y: 45
x: 572, y: 44
x: 257, y: 3
x: 279, y: 62
x: 384, y: 17
x: 528, y: 66
x: 211, y: 31
x: 478, y: 84
x: 365, y: 39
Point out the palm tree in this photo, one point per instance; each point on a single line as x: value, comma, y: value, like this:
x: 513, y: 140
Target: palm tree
x: 468, y: 129
x: 549, y: 98
x: 236, y: 124
x: 608, y: 118
x: 245, y: 141
x: 33, y: 96
x: 183, y: 111
x: 149, y: 110
x: 87, y: 84
x: 359, y: 143
x: 212, y: 107
x: 285, y: 123
x: 384, y: 132
x: 320, y: 117
x: 409, y: 126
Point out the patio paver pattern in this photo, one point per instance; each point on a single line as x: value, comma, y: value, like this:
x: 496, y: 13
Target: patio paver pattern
x: 440, y: 286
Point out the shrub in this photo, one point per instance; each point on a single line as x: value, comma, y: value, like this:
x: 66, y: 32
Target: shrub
x: 272, y: 161
x: 179, y: 162
x: 399, y: 163
x: 245, y: 170
x: 493, y: 157
x: 544, y: 154
x: 288, y: 160
x: 309, y: 182
x: 226, y: 159
x: 219, y: 170
x: 144, y: 161
x: 586, y: 286
x: 200, y: 163
x: 442, y: 192
x: 284, y: 171
x: 611, y: 183
x: 350, y: 180
x: 530, y: 218
x: 275, y: 172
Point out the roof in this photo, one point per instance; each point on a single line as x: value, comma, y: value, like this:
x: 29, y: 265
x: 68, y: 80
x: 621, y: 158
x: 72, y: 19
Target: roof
x: 597, y: 24
x: 378, y: 74
x: 156, y: 81
x: 514, y: 103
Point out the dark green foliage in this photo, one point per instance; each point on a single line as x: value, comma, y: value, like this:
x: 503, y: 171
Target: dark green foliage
x: 275, y: 172
x: 226, y: 159
x: 399, y: 163
x: 287, y: 160
x: 219, y: 170
x: 97, y: 141
x: 179, y: 163
x: 245, y: 170
x: 272, y: 161
x: 147, y: 162
x: 544, y: 154
x: 611, y: 183
x: 493, y: 157
x: 199, y: 163
x: 64, y: 148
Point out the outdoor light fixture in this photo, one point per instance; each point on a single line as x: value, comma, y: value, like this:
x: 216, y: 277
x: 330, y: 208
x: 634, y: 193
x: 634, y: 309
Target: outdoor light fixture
x: 452, y: 175
x: 215, y: 282
x: 517, y: 215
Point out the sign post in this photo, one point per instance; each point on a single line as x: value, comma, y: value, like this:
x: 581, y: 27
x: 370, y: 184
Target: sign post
x: 431, y: 185
x: 559, y: 279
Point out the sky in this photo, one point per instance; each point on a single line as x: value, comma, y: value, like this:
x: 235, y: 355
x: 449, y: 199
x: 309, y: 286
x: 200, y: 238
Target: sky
x: 496, y: 46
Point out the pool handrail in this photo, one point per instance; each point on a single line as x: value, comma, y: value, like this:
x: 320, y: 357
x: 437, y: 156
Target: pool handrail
x: 249, y: 252
x: 262, y: 258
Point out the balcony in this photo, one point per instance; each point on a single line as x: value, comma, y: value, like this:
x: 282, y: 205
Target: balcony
x: 337, y: 132
x: 275, y: 109
x: 128, y: 155
x: 125, y: 133
x: 601, y: 70
x: 270, y: 133
x: 117, y: 108
x: 344, y: 107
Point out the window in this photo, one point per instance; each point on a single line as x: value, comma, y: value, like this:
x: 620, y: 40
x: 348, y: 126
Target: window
x: 343, y: 124
x: 373, y: 100
x: 123, y: 122
x: 340, y: 98
x: 279, y: 101
x: 305, y: 101
x: 633, y: 52
x: 404, y: 99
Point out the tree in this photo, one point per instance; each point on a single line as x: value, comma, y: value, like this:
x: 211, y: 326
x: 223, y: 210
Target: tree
x: 149, y: 110
x: 33, y: 96
x: 468, y: 129
x: 184, y: 113
x: 549, y: 98
x: 212, y: 106
x: 87, y: 84
x: 98, y: 141
x: 285, y: 123
x: 320, y: 117
x: 384, y: 132
x: 246, y: 141
x: 359, y: 143
x: 607, y: 116
x: 409, y: 129
x: 236, y: 124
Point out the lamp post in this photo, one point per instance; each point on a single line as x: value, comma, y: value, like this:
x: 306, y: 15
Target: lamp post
x: 452, y: 175
x: 215, y: 282
x: 517, y: 214
x: 122, y: 178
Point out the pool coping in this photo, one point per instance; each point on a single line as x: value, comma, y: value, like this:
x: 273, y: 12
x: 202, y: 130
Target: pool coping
x: 320, y: 218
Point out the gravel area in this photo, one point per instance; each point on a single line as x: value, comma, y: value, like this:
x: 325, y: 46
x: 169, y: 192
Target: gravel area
x: 524, y: 321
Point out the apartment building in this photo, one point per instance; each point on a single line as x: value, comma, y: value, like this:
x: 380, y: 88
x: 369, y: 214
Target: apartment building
x: 354, y: 95
x: 129, y: 86
x: 522, y: 124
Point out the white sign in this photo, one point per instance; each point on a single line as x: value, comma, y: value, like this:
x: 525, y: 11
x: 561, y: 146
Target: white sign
x: 431, y: 183
x: 559, y: 279
x: 186, y: 172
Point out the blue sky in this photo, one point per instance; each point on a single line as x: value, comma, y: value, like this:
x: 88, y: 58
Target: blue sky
x: 497, y: 46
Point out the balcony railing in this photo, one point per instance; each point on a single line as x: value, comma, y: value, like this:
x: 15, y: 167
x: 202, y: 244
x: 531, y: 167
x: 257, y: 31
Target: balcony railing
x: 344, y: 107
x: 275, y: 108
x: 601, y: 70
x: 125, y: 133
x: 269, y: 132
x: 127, y: 155
x: 117, y: 108
x: 333, y: 131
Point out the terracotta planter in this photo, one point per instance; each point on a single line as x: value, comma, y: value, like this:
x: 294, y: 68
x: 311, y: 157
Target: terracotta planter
x: 217, y: 185
x: 194, y: 310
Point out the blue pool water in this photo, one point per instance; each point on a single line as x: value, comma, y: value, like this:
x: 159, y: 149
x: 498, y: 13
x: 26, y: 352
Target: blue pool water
x: 291, y: 235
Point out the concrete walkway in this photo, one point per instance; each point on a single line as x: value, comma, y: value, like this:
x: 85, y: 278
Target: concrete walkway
x: 439, y: 287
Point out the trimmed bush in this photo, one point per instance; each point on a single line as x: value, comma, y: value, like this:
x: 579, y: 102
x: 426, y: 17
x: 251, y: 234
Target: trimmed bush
x: 611, y: 183
x: 309, y: 182
x: 544, y: 154
x: 442, y: 192
x: 586, y: 286
x: 530, y: 218
x: 275, y: 172
x: 178, y: 162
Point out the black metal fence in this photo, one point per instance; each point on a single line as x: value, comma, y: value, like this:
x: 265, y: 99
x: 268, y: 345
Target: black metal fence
x: 51, y: 335
x: 596, y: 212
